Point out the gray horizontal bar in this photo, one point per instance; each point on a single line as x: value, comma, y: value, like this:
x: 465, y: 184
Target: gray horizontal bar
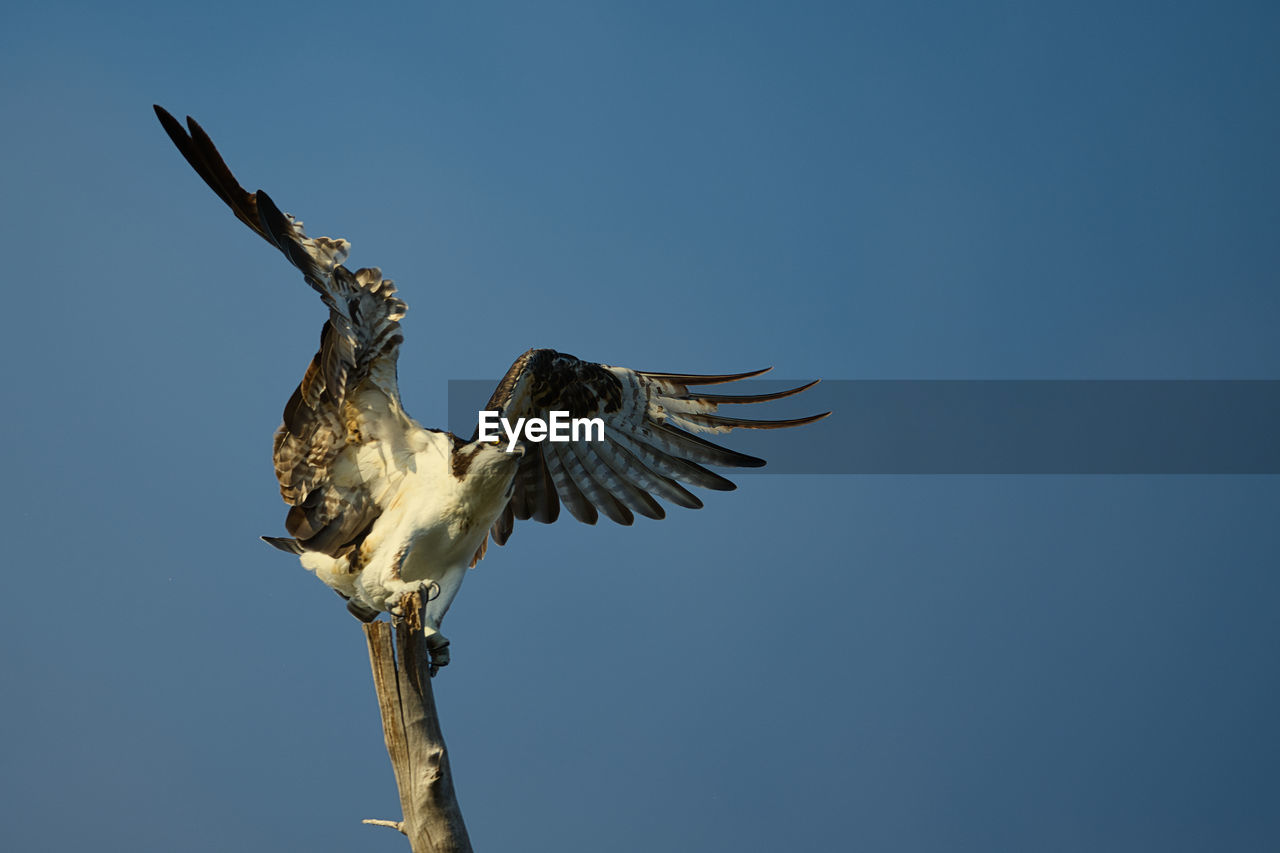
x: 998, y: 426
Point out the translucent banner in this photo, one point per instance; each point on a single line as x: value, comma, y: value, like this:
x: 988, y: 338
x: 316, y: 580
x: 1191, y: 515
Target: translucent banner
x: 996, y: 426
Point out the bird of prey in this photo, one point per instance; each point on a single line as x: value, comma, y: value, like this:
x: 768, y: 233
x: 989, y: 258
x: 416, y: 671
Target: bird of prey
x: 381, y: 507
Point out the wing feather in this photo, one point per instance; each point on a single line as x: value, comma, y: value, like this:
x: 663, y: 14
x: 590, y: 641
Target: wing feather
x: 676, y: 467
x: 647, y: 478
x: 570, y: 493
x: 592, y: 482
x: 348, y: 402
x: 621, y: 479
x: 649, y: 450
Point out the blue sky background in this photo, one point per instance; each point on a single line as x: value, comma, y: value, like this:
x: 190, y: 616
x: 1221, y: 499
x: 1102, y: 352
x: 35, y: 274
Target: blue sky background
x: 853, y: 191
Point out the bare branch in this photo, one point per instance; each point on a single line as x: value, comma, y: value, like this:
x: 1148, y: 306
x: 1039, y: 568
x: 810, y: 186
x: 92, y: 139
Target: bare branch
x: 401, y: 675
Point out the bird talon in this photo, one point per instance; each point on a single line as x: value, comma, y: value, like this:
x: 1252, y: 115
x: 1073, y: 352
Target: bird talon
x: 438, y: 649
x: 428, y: 590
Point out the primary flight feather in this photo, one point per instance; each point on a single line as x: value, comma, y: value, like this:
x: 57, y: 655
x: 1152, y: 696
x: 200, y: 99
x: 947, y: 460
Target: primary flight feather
x: 381, y: 507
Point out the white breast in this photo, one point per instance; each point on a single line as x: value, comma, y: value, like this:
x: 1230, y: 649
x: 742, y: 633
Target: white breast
x: 431, y: 526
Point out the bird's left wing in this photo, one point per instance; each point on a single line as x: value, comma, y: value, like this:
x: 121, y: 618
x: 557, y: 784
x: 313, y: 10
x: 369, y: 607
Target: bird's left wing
x: 649, y: 447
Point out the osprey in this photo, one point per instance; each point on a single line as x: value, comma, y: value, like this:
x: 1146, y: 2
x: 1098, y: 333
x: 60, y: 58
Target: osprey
x: 382, y: 507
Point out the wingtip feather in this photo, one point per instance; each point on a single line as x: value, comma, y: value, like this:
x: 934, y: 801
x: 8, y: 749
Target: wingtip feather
x: 735, y: 399
x: 703, y: 379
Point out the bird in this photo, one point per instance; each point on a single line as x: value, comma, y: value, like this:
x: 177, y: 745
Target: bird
x: 382, y: 508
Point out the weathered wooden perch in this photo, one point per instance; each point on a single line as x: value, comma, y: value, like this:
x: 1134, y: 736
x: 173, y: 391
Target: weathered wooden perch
x: 401, y: 673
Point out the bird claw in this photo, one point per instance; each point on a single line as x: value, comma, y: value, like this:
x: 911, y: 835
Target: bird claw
x: 403, y: 606
x: 438, y: 649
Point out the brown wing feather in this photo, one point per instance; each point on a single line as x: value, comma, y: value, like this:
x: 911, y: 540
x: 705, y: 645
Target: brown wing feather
x: 348, y: 395
x: 198, y: 149
x: 649, y: 447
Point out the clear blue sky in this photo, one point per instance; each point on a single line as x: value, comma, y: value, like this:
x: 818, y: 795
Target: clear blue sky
x: 852, y: 191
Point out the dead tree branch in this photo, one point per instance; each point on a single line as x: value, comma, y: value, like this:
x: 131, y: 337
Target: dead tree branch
x: 401, y: 674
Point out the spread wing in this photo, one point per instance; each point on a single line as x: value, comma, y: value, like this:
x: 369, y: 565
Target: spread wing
x: 649, y: 449
x: 343, y: 425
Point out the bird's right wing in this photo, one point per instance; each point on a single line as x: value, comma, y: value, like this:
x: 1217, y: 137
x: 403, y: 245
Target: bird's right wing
x: 344, y: 423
